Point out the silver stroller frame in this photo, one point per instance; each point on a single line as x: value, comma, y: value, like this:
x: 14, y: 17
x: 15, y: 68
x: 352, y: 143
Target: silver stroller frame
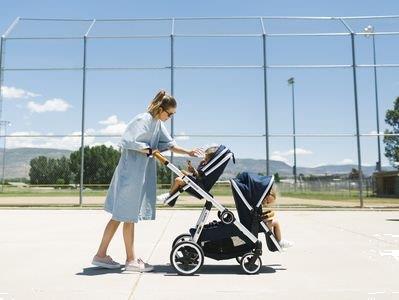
x: 226, y: 216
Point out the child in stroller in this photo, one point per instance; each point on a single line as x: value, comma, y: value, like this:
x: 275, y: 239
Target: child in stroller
x: 268, y: 217
x: 191, y: 171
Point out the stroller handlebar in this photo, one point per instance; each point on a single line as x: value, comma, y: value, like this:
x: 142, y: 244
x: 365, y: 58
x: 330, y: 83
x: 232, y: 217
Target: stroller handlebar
x: 162, y: 159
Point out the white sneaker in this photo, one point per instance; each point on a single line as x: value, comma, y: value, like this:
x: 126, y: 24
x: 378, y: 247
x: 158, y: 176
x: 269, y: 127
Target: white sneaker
x: 105, y: 262
x: 286, y: 244
x: 163, y: 197
x: 138, y: 265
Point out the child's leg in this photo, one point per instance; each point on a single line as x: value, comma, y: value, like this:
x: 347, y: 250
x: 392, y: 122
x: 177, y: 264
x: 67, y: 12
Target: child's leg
x: 177, y: 185
x: 276, y: 229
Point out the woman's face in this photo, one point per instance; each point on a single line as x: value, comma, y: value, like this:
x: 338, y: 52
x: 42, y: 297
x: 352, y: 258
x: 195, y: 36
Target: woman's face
x: 165, y: 114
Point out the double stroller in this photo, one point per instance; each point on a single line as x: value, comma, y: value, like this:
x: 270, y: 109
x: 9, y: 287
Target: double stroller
x: 228, y: 237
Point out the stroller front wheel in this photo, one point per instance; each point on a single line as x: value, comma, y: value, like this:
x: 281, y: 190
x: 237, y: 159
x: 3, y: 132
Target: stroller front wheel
x: 186, y: 257
x: 249, y: 266
x: 181, y: 238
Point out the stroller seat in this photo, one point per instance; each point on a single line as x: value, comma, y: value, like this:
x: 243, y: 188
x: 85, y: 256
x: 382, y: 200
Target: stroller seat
x: 208, y: 174
x: 249, y: 190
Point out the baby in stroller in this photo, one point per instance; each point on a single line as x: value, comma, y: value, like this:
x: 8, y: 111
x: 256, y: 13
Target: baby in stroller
x: 268, y: 217
x: 191, y: 171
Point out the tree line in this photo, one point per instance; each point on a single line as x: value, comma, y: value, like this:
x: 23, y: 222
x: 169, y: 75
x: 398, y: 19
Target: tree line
x: 99, y: 166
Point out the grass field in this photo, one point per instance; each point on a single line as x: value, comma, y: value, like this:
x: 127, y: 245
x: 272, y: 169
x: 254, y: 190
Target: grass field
x: 287, y: 198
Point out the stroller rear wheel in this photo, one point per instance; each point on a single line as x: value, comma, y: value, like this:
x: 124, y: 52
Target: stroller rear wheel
x: 181, y: 238
x: 251, y: 267
x: 186, y: 257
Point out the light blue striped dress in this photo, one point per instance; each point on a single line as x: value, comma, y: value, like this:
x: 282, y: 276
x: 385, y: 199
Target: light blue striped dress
x: 132, y: 193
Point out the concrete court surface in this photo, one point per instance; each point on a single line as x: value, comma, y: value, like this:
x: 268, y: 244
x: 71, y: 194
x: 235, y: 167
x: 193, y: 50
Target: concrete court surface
x: 46, y: 254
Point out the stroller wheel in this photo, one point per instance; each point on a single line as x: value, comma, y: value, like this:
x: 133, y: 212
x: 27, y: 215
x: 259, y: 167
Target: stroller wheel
x: 186, y: 257
x: 181, y: 238
x: 248, y: 267
x: 238, y: 259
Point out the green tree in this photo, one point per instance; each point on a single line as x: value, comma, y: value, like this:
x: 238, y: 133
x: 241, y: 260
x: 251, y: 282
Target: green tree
x: 38, y: 172
x: 44, y: 170
x: 392, y: 142
x: 99, y: 164
x: 277, y: 177
x: 163, y: 174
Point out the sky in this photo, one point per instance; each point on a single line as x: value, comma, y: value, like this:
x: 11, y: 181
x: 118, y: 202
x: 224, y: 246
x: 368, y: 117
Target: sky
x: 210, y: 101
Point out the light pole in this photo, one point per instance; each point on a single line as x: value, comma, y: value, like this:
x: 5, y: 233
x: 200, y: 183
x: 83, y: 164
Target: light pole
x: 291, y: 81
x: 370, y: 30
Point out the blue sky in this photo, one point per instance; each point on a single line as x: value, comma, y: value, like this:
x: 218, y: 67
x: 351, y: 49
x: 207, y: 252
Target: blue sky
x: 210, y: 101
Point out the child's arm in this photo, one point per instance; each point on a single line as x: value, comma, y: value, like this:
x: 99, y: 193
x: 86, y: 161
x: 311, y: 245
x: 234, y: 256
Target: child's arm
x: 192, y: 169
x: 186, y: 173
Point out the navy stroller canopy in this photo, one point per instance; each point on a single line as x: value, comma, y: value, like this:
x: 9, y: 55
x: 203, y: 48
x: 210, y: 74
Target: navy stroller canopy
x: 254, y: 187
x: 249, y: 190
x: 210, y: 172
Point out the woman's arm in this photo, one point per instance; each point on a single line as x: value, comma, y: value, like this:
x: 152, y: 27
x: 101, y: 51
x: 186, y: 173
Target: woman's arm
x: 180, y: 150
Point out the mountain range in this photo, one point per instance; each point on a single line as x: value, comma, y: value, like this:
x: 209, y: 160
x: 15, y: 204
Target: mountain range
x: 17, y: 164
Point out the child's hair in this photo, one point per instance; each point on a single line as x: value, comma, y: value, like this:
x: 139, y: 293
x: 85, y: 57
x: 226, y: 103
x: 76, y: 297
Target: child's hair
x: 161, y: 101
x: 210, y: 151
x: 272, y: 192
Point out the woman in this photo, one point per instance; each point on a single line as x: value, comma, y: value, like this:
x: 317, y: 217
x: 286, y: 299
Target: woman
x: 132, y: 193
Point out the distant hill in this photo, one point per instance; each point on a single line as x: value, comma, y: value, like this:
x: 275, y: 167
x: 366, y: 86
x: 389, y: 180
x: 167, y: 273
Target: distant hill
x: 17, y: 159
x: 259, y: 166
x: 17, y: 164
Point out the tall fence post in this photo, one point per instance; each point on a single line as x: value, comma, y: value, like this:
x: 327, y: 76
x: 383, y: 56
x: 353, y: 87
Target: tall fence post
x: 82, y: 141
x: 172, y: 89
x: 359, y: 156
x: 265, y: 97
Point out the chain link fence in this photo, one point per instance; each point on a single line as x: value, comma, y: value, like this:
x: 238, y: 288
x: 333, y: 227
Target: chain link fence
x: 45, y: 168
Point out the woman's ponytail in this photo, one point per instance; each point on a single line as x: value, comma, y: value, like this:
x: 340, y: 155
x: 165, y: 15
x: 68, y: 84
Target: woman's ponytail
x: 161, y: 101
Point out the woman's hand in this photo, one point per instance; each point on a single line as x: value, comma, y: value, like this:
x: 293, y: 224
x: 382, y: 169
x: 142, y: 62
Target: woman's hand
x: 196, y: 152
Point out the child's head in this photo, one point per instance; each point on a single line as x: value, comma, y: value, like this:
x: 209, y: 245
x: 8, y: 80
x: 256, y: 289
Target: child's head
x: 209, y: 152
x: 271, y: 196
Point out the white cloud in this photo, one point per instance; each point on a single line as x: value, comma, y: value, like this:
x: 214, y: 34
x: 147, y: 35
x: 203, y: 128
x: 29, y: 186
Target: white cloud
x: 299, y: 151
x: 346, y: 161
x: 11, y: 92
x: 114, y: 126
x: 67, y: 142
x: 182, y: 137
x: 107, y: 143
x: 279, y: 158
x: 112, y: 120
x: 55, y: 104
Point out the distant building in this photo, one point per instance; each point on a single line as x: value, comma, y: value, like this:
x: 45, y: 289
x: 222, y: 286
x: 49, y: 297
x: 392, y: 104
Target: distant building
x: 386, y: 183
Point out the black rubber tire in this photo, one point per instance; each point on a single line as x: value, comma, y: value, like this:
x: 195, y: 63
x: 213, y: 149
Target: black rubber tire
x: 250, y: 269
x: 180, y: 238
x: 191, y: 259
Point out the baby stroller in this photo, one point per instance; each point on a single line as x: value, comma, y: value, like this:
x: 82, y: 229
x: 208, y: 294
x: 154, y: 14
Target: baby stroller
x: 229, y: 237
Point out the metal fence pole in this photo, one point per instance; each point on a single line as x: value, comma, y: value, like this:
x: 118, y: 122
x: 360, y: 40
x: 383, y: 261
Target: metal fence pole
x: 291, y: 81
x: 82, y: 142
x: 172, y: 89
x: 5, y: 124
x: 359, y: 156
x: 83, y: 122
x: 265, y: 97
x: 376, y: 106
x: 2, y: 40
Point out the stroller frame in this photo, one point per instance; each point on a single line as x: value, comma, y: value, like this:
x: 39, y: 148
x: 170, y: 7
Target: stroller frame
x: 190, y: 243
